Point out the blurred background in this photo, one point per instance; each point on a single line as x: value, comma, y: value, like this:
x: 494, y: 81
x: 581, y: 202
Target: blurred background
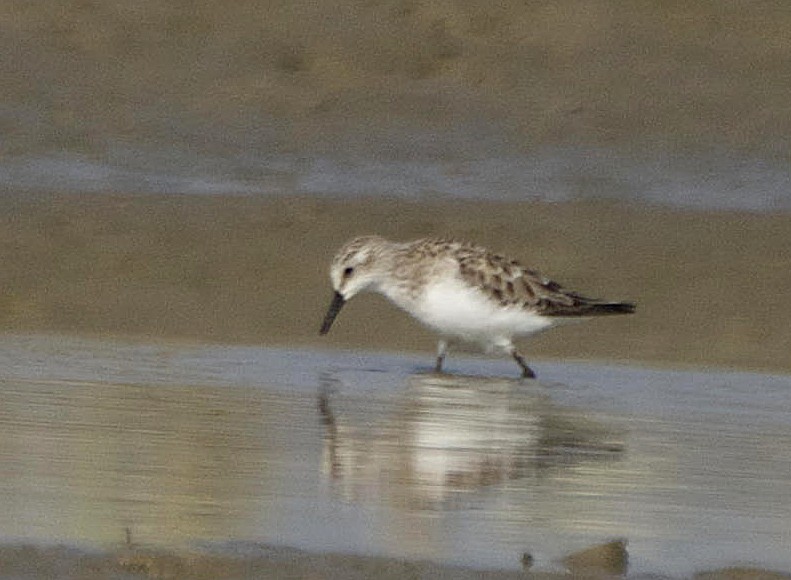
x: 187, y: 169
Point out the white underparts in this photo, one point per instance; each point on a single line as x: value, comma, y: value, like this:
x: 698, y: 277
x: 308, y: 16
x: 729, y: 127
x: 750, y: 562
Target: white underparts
x: 455, y: 309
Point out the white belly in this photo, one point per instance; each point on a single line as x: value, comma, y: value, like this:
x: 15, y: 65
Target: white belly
x: 453, y: 308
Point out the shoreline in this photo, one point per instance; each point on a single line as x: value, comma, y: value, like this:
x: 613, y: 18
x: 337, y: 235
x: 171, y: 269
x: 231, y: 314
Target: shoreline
x: 422, y: 357
x: 253, y: 560
x: 251, y: 270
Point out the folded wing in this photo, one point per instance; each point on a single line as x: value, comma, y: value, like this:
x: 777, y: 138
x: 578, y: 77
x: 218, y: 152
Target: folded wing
x: 510, y: 284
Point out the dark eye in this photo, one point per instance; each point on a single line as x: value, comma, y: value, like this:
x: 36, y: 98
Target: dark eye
x: 348, y: 272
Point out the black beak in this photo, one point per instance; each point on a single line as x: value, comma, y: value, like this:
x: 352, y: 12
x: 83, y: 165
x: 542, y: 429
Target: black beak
x: 337, y: 303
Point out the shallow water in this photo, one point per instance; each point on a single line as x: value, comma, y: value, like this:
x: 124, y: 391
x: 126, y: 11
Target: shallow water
x: 369, y: 453
x: 704, y: 182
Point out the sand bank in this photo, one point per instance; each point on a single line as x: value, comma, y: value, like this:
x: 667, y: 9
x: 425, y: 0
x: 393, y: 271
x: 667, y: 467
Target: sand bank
x: 401, y: 77
x: 26, y: 561
x: 710, y: 287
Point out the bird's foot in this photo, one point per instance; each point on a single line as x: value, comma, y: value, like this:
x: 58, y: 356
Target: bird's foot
x: 527, y: 372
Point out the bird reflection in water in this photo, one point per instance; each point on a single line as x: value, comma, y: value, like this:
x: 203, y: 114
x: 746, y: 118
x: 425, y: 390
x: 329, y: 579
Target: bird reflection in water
x: 445, y: 436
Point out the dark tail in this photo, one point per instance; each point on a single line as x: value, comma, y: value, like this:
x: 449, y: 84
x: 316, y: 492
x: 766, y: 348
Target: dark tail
x: 611, y: 308
x: 587, y: 307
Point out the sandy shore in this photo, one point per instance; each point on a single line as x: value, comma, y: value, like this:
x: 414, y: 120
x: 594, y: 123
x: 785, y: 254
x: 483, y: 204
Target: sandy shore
x: 709, y: 286
x: 167, y: 89
x: 252, y: 562
x: 399, y: 78
x: 261, y: 561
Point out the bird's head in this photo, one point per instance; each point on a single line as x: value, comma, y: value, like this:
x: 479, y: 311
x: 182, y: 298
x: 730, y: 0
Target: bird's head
x: 353, y: 270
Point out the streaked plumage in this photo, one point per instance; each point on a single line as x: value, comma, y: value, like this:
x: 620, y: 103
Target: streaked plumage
x: 462, y: 291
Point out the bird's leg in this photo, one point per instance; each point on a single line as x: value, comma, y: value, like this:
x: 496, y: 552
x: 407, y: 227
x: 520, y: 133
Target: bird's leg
x: 527, y: 372
x: 442, y: 350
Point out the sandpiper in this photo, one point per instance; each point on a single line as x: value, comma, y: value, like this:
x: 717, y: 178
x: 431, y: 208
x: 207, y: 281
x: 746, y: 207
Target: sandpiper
x: 462, y: 291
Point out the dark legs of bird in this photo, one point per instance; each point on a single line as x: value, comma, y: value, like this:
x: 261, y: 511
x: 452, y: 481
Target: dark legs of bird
x: 527, y: 372
x: 442, y: 350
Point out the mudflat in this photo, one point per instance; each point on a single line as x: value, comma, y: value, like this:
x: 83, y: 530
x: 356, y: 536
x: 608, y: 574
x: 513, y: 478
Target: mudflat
x: 709, y: 287
x: 396, y: 77
x: 276, y: 563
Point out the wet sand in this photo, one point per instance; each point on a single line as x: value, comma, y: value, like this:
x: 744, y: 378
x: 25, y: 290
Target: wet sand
x: 399, y: 78
x: 679, y: 103
x: 709, y: 286
x: 245, y: 562
x: 272, y: 562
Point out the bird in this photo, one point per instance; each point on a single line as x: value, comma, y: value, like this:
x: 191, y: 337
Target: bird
x: 462, y: 291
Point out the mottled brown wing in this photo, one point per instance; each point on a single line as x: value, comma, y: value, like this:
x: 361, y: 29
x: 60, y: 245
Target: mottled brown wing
x: 510, y: 284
